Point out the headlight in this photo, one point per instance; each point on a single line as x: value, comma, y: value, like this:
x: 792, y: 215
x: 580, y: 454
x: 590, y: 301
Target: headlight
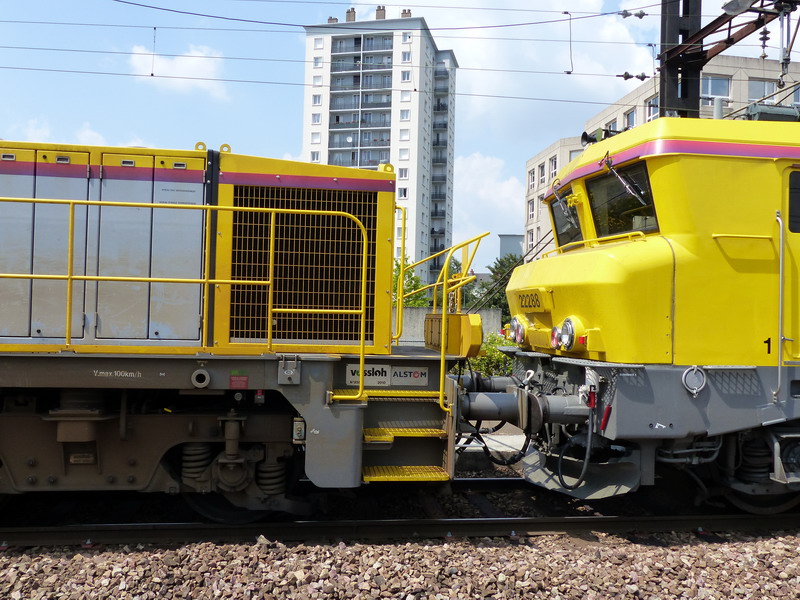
x: 555, y: 338
x: 567, y: 337
x: 517, y: 330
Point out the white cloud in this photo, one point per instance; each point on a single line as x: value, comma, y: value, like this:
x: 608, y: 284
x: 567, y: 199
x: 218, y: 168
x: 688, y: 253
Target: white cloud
x: 88, y: 136
x: 290, y: 156
x: 32, y: 130
x: 194, y: 70
x: 486, y: 198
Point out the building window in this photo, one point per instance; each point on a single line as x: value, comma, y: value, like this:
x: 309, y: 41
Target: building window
x: 316, y: 100
x: 531, y: 239
x: 404, y: 154
x: 541, y: 174
x: 319, y: 44
x: 405, y: 76
x: 405, y: 115
x: 553, y: 166
x: 317, y: 80
x: 317, y: 62
x: 714, y: 86
x: 531, y: 210
x: 402, y: 173
x: 629, y: 119
x: 757, y: 89
x: 405, y: 135
x: 315, y: 156
x: 316, y: 137
x: 405, y: 56
x: 651, y: 109
x: 406, y: 36
x: 405, y: 96
x: 611, y: 125
x: 315, y: 118
x: 402, y: 193
x: 531, y: 179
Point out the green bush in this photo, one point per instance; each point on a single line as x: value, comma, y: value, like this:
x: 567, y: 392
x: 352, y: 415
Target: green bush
x: 491, y: 361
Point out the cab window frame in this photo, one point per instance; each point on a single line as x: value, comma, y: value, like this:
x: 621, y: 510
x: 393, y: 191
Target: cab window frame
x: 623, y: 212
x: 561, y: 223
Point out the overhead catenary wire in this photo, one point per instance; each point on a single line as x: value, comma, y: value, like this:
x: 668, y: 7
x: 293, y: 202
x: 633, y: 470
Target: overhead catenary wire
x: 359, y: 27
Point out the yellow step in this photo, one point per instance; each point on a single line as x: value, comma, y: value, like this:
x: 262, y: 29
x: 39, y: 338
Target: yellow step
x: 387, y: 434
x: 410, y: 473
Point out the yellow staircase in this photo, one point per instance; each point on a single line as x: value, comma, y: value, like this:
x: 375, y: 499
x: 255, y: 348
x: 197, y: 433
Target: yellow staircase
x: 406, y: 436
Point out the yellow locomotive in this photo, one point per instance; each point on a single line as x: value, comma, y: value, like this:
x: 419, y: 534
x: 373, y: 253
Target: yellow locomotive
x: 212, y: 324
x: 664, y: 329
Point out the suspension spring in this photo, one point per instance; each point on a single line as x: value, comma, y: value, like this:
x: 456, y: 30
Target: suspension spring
x: 271, y: 478
x: 756, y: 462
x: 197, y: 457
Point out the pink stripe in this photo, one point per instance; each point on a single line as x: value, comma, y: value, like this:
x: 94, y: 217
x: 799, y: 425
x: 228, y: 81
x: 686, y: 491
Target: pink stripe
x: 304, y: 181
x: 59, y: 170
x: 13, y: 167
x: 180, y: 175
x: 128, y: 173
x: 659, y: 147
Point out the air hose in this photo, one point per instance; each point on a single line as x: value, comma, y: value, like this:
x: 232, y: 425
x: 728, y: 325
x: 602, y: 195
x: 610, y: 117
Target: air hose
x: 585, y: 468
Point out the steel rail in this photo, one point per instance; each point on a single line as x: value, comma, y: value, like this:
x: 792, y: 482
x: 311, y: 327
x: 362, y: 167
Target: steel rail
x: 381, y: 530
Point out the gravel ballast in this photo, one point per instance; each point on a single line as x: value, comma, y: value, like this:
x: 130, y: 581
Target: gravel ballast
x: 597, y: 566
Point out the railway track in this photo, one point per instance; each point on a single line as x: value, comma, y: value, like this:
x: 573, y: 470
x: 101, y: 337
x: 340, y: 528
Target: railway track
x: 380, y: 530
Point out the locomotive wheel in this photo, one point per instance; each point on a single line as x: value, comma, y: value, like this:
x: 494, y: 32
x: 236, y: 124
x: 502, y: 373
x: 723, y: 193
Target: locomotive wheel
x: 763, y: 505
x: 217, y: 508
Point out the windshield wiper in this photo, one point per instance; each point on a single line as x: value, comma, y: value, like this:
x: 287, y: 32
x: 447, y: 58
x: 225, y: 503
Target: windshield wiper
x: 564, y: 207
x: 625, y: 183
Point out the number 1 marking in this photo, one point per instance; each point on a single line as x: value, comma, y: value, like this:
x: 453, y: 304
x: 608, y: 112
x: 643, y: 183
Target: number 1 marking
x: 768, y: 342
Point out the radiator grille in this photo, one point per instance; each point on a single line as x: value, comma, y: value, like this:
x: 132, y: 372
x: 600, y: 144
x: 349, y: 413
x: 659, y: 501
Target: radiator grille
x: 317, y: 265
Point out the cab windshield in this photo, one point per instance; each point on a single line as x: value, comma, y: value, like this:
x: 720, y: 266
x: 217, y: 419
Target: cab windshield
x: 565, y: 219
x: 621, y: 201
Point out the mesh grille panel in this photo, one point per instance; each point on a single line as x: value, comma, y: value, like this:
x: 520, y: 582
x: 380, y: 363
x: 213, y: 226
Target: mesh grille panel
x: 317, y: 264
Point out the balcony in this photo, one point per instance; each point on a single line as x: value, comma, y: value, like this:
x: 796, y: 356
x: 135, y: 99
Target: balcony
x: 370, y: 162
x: 440, y: 107
x: 376, y: 85
x: 376, y: 46
x: 440, y: 124
x: 344, y: 104
x: 440, y: 72
x: 440, y: 143
x: 375, y: 124
x: 376, y: 66
x: 376, y: 104
x: 438, y: 178
x: 437, y: 248
x: 439, y: 159
x: 438, y: 196
x: 345, y: 48
x: 344, y: 163
x: 343, y: 125
x: 340, y: 68
x: 377, y: 143
x: 342, y: 145
x: 344, y: 87
x: 438, y: 214
x: 437, y: 231
x: 441, y: 88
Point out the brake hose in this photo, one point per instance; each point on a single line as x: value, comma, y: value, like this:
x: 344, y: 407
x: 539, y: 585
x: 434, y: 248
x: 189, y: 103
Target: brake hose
x: 585, y: 467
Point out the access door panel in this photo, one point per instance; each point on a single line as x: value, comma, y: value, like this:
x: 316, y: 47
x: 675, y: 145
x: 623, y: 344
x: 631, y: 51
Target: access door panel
x: 63, y: 176
x: 177, y: 250
x: 124, y: 246
x: 16, y: 240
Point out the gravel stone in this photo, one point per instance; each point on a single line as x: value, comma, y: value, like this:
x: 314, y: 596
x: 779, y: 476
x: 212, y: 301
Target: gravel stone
x: 600, y: 566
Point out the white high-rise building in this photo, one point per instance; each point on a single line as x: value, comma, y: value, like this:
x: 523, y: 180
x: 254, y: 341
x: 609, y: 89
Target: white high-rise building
x: 380, y: 91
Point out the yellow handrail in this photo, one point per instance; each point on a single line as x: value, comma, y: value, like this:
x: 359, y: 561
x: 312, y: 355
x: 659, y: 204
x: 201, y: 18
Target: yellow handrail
x: 401, y: 278
x: 206, y: 281
x: 448, y: 286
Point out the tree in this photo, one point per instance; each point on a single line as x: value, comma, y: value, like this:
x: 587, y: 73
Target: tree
x: 492, y: 293
x: 411, y: 282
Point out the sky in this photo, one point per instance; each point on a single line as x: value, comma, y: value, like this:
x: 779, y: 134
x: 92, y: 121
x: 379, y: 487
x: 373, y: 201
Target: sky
x: 124, y: 73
